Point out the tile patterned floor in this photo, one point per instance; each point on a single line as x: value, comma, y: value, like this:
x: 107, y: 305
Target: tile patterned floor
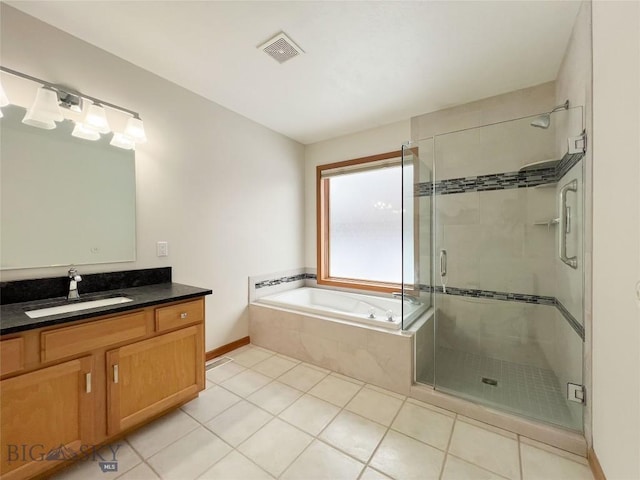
x: 523, y: 389
x: 264, y: 416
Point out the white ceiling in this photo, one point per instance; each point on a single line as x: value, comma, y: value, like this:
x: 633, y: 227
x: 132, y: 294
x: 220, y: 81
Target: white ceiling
x: 366, y: 63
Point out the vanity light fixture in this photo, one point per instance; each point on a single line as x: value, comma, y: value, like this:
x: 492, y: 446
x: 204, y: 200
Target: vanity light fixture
x: 82, y: 131
x: 45, y: 112
x: 121, y: 140
x: 96, y: 119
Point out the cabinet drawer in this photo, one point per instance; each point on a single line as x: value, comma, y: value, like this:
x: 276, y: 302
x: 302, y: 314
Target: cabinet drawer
x: 179, y: 315
x: 65, y: 342
x: 11, y: 355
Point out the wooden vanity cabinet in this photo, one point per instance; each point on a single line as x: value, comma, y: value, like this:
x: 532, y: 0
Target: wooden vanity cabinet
x: 46, y: 415
x: 73, y: 387
x: 145, y: 378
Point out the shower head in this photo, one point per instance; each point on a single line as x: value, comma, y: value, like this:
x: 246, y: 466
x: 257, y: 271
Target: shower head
x: 544, y: 120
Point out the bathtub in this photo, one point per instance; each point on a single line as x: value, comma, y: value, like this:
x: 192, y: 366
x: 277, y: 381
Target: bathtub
x: 371, y: 310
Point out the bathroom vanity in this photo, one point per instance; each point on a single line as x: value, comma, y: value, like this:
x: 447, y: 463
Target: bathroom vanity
x: 73, y: 381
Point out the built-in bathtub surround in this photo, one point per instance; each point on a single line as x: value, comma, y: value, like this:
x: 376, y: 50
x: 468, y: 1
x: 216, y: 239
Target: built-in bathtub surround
x: 373, y: 355
x: 268, y: 284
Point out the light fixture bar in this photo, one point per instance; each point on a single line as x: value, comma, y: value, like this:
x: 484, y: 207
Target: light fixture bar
x: 65, y: 90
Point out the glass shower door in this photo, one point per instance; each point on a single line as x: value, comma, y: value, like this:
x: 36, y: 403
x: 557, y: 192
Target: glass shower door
x: 508, y: 310
x: 417, y: 171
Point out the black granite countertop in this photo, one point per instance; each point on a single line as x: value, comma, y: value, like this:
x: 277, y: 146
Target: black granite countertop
x: 14, y: 319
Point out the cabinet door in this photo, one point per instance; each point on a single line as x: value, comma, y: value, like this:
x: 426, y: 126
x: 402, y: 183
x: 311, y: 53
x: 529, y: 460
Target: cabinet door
x: 148, y: 377
x: 46, y: 417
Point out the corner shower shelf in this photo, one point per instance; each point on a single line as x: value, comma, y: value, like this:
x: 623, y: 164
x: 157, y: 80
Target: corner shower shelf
x: 548, y: 223
x: 540, y: 164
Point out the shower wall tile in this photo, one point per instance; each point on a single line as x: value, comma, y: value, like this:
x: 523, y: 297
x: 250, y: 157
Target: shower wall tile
x: 500, y: 207
x: 499, y: 330
x: 460, y: 209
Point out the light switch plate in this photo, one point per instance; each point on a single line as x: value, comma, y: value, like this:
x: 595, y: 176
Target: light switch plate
x: 162, y: 249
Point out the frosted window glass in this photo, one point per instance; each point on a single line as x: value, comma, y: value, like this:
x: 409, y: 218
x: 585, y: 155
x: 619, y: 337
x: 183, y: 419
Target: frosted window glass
x: 365, y: 225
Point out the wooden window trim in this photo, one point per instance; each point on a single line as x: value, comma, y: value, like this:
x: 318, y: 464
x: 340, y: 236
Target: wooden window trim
x: 322, y: 229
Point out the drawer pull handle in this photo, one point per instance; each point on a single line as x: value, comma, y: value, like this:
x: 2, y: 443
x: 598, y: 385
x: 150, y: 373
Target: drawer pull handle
x: 183, y: 315
x: 87, y: 379
x: 115, y: 373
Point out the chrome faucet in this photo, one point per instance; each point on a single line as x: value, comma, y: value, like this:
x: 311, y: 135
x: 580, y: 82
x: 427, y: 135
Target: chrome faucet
x: 74, y: 278
x: 407, y: 298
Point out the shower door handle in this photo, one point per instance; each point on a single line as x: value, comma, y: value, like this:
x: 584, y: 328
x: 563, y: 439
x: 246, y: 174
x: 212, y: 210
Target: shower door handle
x: 443, y: 263
x: 565, y: 221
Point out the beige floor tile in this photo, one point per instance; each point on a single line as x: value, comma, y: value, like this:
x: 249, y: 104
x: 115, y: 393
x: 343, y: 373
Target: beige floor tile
x: 371, y: 474
x: 246, y: 383
x: 485, y: 448
x: 239, y: 422
x: 120, y: 452
x: 224, y: 372
x: 250, y: 356
x: 354, y: 435
x: 424, y: 425
x: 275, y: 446
x: 385, y: 391
x: 189, y: 457
x: 141, y: 472
x: 302, y: 377
x: 274, y: 366
x: 275, y: 397
x: 235, y: 467
x: 210, y: 403
x: 457, y: 469
x: 554, y: 450
x: 335, y: 390
x: 310, y: 414
x: 153, y: 437
x: 404, y: 458
x: 539, y: 464
x: 348, y: 379
x: 375, y: 406
x: 322, y: 462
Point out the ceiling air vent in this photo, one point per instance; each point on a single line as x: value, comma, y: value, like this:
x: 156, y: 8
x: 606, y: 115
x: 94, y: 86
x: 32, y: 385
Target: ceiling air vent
x: 281, y: 48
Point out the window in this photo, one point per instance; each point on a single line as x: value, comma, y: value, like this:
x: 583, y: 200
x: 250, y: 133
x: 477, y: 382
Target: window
x: 360, y: 223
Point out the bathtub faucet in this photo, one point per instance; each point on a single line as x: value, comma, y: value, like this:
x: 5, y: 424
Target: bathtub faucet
x: 407, y: 298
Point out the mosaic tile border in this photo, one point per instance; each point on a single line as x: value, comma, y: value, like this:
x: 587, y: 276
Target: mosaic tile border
x: 510, y: 297
x: 277, y: 281
x: 577, y: 327
x: 500, y: 181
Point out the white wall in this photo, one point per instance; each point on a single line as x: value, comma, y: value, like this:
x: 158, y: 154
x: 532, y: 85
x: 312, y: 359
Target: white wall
x: 225, y: 192
x: 616, y: 238
x: 383, y: 139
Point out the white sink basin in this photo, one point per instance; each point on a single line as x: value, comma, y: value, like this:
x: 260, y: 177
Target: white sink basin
x: 76, y: 307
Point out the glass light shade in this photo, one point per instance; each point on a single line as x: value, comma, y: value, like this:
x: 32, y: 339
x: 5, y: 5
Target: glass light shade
x: 96, y: 118
x: 45, y: 110
x: 4, y: 101
x: 135, y: 130
x: 81, y: 131
x: 121, y: 140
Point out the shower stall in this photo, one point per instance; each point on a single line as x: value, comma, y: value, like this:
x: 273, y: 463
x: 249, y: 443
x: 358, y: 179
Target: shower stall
x: 493, y: 242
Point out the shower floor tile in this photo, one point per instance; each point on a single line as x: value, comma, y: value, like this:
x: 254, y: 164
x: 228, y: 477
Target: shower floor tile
x: 523, y: 389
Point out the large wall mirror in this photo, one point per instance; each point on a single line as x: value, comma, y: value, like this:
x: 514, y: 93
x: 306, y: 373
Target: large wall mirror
x: 64, y: 200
